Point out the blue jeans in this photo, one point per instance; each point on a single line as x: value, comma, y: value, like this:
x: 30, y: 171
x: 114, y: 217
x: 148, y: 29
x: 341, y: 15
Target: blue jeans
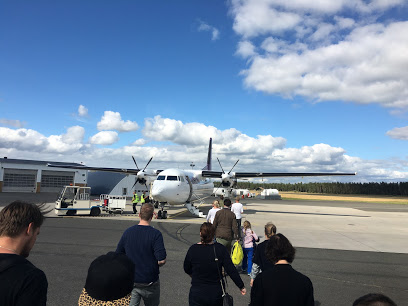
x: 247, y: 261
x: 150, y: 294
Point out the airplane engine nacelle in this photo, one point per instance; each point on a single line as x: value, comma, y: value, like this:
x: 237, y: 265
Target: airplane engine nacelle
x: 228, y: 181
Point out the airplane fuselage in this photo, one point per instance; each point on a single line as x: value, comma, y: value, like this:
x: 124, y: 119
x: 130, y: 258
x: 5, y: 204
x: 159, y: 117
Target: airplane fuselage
x: 176, y: 186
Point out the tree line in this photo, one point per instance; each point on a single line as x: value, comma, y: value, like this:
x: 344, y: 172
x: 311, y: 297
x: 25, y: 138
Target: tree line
x: 382, y: 188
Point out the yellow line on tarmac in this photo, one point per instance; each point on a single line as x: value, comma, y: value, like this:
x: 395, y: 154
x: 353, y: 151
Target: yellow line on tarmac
x: 181, y: 212
x: 177, y: 214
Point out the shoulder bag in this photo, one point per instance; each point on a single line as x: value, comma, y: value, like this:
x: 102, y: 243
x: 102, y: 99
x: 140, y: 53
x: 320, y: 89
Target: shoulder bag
x: 227, y: 299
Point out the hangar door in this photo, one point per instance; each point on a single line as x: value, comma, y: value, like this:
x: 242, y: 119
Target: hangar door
x: 19, y: 180
x: 53, y: 181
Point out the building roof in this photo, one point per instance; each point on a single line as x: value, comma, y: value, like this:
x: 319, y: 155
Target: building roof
x: 34, y: 162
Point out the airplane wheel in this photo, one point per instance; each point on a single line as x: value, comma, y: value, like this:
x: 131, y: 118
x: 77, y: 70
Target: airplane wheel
x: 165, y: 214
x: 71, y: 212
x: 159, y: 214
x: 156, y: 204
x: 95, y: 211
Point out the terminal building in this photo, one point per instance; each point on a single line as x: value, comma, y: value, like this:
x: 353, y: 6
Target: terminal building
x: 20, y: 175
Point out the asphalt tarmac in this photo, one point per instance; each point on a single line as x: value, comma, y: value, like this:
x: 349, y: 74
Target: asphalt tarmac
x: 67, y: 246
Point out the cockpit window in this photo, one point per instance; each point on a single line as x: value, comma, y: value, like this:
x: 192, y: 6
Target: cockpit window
x: 172, y: 178
x: 161, y: 178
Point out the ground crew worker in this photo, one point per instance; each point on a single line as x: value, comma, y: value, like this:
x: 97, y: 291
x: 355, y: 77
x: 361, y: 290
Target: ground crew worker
x: 143, y: 198
x: 135, y: 199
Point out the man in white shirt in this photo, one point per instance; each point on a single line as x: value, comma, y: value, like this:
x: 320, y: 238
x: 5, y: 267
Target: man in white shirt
x: 213, y: 211
x: 238, y: 209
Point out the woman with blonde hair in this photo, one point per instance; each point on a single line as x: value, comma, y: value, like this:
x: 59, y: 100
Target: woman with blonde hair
x: 248, y: 246
x: 213, y: 211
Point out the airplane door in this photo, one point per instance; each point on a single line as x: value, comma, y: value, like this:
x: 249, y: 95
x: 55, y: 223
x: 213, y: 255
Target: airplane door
x: 191, y: 188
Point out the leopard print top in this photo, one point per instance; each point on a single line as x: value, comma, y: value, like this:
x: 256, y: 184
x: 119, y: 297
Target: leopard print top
x: 86, y: 300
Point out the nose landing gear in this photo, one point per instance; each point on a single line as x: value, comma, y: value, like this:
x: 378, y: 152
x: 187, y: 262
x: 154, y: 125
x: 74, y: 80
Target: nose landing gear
x: 162, y: 214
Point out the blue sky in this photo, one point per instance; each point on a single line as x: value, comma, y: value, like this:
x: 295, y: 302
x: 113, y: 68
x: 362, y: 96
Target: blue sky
x: 283, y: 86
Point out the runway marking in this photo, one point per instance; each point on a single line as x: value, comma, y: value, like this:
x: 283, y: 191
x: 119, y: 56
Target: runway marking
x: 177, y: 214
x: 316, y: 214
x: 178, y: 233
x: 182, y: 212
x: 349, y: 282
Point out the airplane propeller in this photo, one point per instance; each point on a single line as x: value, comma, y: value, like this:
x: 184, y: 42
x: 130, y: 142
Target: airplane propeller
x: 226, y: 177
x: 134, y: 160
x: 231, y: 168
x: 142, y: 180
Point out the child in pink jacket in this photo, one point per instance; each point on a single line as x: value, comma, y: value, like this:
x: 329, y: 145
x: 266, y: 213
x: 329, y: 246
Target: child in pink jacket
x: 248, y: 246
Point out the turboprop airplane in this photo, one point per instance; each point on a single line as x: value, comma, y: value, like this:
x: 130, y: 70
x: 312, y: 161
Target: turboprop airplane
x: 175, y: 187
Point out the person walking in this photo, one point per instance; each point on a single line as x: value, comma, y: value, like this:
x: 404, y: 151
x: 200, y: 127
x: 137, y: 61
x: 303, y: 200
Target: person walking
x: 225, y: 225
x: 221, y: 201
x: 238, y: 209
x: 203, y: 263
x: 260, y: 262
x: 282, y: 285
x: 135, y: 200
x: 248, y: 246
x: 144, y: 245
x: 21, y: 283
x: 213, y: 211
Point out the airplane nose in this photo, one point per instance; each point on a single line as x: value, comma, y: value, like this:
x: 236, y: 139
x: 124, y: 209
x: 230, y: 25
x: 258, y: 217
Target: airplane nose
x: 158, y: 193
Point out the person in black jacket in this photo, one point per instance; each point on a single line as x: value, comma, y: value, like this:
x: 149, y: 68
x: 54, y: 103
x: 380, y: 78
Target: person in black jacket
x: 205, y: 271
x: 281, y: 285
x: 21, y: 283
x: 260, y: 262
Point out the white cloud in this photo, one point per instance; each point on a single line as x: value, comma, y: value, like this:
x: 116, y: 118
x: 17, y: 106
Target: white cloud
x: 104, y: 138
x: 253, y: 18
x: 139, y: 142
x: 113, y: 121
x: 82, y: 111
x: 230, y: 141
x: 215, y: 33
x: 174, y: 143
x: 69, y: 142
x: 315, y: 50
x: 245, y: 49
x: 399, y: 133
x: 367, y: 67
x: 30, y: 140
x: 12, y: 123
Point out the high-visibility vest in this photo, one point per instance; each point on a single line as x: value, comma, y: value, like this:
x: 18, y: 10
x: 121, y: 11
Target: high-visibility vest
x: 135, y: 198
x: 142, y: 199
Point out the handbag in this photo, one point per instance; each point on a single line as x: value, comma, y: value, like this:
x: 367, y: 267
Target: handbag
x: 227, y: 299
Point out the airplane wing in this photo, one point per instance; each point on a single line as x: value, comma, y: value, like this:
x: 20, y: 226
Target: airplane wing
x: 118, y: 170
x: 218, y: 174
x: 279, y: 174
x: 212, y: 174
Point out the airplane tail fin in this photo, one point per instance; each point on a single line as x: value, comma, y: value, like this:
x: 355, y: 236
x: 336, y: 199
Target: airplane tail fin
x: 208, y: 166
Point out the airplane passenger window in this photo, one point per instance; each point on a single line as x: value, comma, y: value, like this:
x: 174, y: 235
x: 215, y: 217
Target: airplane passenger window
x: 161, y: 178
x: 172, y: 178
